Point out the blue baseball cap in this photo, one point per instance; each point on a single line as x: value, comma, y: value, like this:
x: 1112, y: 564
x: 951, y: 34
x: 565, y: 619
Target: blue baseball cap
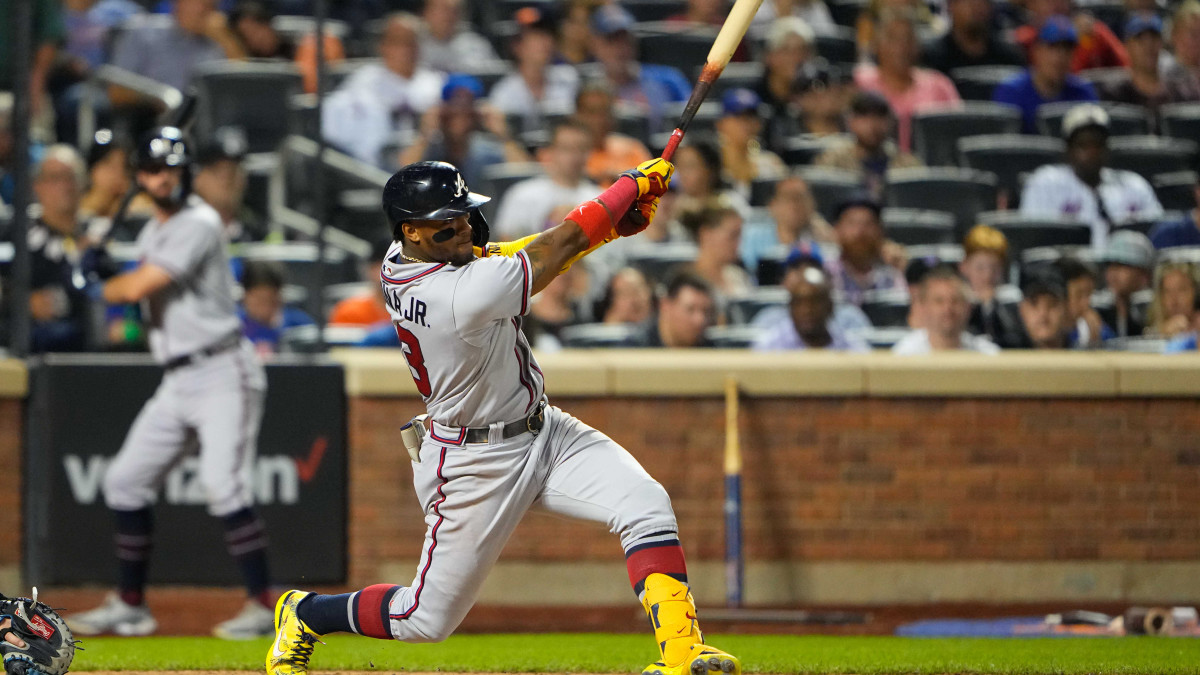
x: 611, y: 19
x: 458, y: 81
x: 1057, y: 30
x: 740, y: 100
x: 1141, y: 22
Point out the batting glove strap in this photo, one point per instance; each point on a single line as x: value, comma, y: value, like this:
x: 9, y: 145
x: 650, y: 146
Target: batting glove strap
x: 652, y: 177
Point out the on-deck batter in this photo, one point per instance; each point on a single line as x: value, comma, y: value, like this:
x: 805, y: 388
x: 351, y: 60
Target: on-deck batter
x: 495, y: 447
x: 211, y: 395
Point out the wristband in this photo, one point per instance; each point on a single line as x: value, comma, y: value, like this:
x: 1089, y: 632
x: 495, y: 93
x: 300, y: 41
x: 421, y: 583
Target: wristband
x: 599, y: 216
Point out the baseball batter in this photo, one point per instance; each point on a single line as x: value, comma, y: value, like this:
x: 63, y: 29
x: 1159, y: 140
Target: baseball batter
x: 211, y: 395
x: 494, y: 446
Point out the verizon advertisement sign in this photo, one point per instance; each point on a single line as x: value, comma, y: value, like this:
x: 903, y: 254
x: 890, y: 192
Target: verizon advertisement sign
x: 80, y: 408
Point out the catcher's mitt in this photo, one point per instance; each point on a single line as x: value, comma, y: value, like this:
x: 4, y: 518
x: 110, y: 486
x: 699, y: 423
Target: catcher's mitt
x: 49, y: 645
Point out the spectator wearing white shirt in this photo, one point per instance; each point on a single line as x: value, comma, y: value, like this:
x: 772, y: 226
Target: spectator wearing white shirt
x: 945, y: 309
x: 1084, y: 188
x: 449, y: 45
x: 380, y: 102
x: 809, y: 322
x: 525, y: 207
x: 537, y: 83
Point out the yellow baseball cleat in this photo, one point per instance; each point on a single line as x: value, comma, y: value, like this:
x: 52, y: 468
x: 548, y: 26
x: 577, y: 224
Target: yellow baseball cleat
x: 701, y: 660
x: 294, y: 642
x: 672, y: 613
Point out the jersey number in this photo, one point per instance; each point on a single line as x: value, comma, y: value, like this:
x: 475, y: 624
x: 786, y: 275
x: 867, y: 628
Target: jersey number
x: 416, y: 360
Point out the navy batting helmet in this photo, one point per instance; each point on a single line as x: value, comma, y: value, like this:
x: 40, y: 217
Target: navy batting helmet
x: 433, y: 191
x: 165, y: 147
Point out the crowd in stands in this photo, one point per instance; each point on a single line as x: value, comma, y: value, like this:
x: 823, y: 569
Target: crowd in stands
x: 824, y: 197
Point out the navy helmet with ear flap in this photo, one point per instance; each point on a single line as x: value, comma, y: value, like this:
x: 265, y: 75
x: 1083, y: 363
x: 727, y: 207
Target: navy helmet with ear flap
x: 165, y: 147
x: 433, y: 191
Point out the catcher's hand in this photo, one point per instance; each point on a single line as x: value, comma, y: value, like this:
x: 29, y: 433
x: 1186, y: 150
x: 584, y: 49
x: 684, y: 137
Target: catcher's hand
x: 43, y: 643
x: 652, y: 177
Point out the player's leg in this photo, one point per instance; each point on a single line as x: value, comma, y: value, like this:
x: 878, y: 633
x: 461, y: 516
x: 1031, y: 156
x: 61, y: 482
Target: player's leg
x: 473, y: 498
x: 226, y: 412
x: 596, y: 479
x: 156, y: 441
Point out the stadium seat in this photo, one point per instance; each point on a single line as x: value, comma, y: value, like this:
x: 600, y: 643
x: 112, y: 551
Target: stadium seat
x: 941, y: 253
x: 770, y: 266
x: 302, y: 116
x: 245, y: 94
x: 299, y: 260
x: 762, y: 190
x: 488, y: 73
x: 804, y: 149
x: 884, y: 338
x: 1044, y: 255
x: 1125, y: 119
x: 1176, y: 191
x: 589, y: 335
x: 654, y: 10
x: 1180, y: 254
x: 918, y: 226
x: 838, y: 48
x: 732, y: 337
x: 1180, y: 120
x: 936, y: 131
x: 679, y: 45
x: 658, y: 261
x: 1024, y: 232
x: 975, y: 83
x: 1151, y: 155
x: 1104, y: 78
x: 632, y: 122
x: 1011, y: 157
x: 743, y: 308
x: 1112, y: 12
x: 1141, y: 344
x: 498, y: 178
x: 962, y: 192
x: 886, y: 308
x: 358, y: 213
x: 292, y: 186
x: 294, y: 28
x: 845, y: 12
x: 830, y: 187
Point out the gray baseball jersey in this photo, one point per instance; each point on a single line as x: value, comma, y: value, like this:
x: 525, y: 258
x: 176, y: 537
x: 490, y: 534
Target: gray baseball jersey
x: 216, y: 399
x: 198, y: 309
x: 459, y: 330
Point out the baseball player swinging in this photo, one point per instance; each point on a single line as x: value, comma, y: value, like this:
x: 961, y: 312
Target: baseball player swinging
x: 211, y: 395
x: 494, y: 447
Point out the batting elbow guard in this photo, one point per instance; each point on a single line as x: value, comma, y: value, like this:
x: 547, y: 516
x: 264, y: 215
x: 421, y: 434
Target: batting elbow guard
x: 598, y: 217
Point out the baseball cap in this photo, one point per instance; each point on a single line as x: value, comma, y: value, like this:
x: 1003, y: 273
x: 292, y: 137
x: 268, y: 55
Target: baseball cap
x: 1044, y: 282
x: 1127, y: 247
x: 226, y: 143
x: 611, y: 19
x: 457, y: 81
x: 870, y: 103
x: 804, y: 253
x: 1056, y: 30
x: 1083, y: 116
x: 739, y: 100
x: 856, y: 200
x: 1141, y: 22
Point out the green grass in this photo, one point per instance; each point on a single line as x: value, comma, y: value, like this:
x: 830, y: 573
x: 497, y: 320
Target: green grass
x: 603, y: 653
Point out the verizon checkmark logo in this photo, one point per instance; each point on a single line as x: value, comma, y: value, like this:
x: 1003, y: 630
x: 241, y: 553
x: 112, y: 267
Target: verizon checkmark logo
x: 306, y: 467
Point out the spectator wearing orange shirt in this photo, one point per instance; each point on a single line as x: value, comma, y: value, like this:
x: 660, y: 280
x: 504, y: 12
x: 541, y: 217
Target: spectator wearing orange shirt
x: 611, y: 152
x: 1097, y: 47
x: 367, y: 308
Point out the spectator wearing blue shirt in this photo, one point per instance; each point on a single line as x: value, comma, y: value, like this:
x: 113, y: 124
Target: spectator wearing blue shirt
x: 791, y: 219
x: 264, y: 316
x: 647, y: 86
x: 809, y: 322
x: 1182, y: 232
x: 1049, y: 78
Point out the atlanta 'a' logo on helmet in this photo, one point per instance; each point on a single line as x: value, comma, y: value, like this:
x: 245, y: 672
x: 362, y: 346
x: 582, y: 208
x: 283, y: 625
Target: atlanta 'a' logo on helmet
x: 460, y: 185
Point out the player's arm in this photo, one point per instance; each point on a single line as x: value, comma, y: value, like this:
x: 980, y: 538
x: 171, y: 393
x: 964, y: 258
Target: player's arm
x: 136, y: 285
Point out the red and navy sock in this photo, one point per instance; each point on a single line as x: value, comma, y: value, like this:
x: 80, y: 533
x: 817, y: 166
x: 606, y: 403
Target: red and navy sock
x: 657, y: 553
x: 364, y: 612
x: 135, y: 530
x: 246, y: 540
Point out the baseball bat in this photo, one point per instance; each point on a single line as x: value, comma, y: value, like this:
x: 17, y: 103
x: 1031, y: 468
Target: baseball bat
x: 727, y: 40
x: 734, y: 564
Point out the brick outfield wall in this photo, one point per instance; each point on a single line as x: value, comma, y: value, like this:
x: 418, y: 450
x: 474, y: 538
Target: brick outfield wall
x: 11, y: 422
x: 831, y: 479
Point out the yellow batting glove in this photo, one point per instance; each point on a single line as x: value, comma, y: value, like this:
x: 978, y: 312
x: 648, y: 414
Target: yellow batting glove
x: 652, y: 177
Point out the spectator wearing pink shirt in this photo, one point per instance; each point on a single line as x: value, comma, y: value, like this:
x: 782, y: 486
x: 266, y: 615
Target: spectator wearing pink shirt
x: 906, y: 87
